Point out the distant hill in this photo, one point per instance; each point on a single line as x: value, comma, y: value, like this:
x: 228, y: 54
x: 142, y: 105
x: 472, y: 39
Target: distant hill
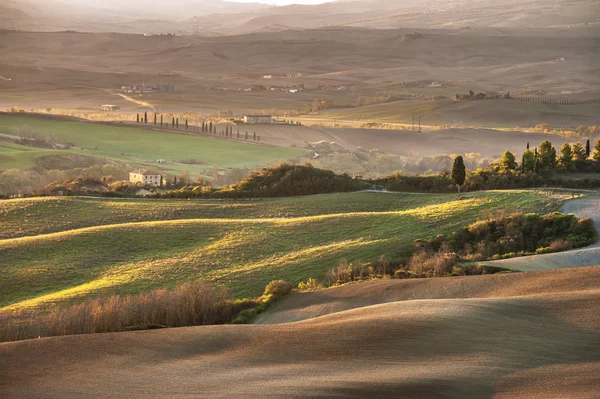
x: 212, y: 17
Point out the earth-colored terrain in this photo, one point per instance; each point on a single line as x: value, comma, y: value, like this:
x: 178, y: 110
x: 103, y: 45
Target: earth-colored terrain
x: 526, y: 335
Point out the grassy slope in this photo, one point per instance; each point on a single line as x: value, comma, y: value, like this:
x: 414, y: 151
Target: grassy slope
x: 244, y: 248
x: 139, y: 146
x: 14, y: 156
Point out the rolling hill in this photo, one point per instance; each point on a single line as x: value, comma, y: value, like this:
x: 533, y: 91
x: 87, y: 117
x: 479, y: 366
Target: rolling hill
x: 222, y: 17
x: 131, y: 245
x: 526, y: 338
x: 135, y: 146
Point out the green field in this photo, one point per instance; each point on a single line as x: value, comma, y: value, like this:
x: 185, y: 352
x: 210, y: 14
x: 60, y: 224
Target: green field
x: 73, y: 248
x: 136, y: 146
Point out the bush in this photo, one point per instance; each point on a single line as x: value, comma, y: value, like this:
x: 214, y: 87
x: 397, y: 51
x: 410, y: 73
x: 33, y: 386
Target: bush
x: 505, y: 236
x: 310, y: 285
x: 432, y: 264
x: 277, y: 289
x: 556, y: 246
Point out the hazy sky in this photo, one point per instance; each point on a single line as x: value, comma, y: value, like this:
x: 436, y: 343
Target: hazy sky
x: 283, y: 2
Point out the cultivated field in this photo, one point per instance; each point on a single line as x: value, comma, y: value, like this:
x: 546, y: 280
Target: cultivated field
x: 61, y: 252
x: 526, y: 335
x: 71, y: 71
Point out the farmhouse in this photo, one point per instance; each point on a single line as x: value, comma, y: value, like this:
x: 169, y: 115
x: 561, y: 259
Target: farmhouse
x: 143, y: 176
x: 108, y: 107
x: 258, y: 119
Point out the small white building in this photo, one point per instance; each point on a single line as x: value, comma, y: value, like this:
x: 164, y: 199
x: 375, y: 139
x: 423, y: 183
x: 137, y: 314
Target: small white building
x: 110, y: 107
x: 142, y: 176
x: 258, y: 119
x: 268, y: 77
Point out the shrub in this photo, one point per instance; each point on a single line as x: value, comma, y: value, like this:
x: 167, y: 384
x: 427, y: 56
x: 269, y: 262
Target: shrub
x: 310, y: 285
x: 277, y: 289
x: 428, y: 265
x: 556, y: 246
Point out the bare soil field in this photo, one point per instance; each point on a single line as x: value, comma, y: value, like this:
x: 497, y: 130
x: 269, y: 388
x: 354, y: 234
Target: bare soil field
x: 81, y: 71
x: 487, y: 142
x: 527, y: 335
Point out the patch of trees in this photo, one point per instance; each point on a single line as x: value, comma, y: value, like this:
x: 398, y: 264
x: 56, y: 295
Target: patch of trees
x: 292, y: 180
x: 513, y: 235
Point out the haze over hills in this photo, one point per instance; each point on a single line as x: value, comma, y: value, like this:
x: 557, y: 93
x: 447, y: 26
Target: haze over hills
x: 221, y: 17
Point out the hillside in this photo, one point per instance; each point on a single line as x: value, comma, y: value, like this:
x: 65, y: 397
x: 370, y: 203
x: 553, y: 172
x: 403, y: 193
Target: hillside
x: 528, y: 338
x: 78, y: 72
x: 135, y: 146
x: 222, y: 17
x: 60, y: 253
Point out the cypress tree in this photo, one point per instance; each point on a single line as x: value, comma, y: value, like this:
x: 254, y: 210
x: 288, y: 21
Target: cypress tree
x: 145, y: 117
x: 246, y: 135
x: 186, y: 124
x: 528, y: 145
x: 210, y: 128
x: 155, y: 118
x: 173, y: 122
x: 161, y: 120
x: 138, y: 118
x: 254, y: 136
x: 459, y: 173
x: 177, y: 123
x: 588, y: 149
x: 203, y: 126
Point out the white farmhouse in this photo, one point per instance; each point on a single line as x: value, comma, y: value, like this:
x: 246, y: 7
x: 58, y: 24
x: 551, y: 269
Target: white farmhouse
x: 258, y: 119
x: 142, y: 176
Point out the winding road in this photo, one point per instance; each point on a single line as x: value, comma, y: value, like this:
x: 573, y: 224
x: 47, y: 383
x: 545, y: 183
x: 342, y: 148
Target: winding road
x: 588, y: 207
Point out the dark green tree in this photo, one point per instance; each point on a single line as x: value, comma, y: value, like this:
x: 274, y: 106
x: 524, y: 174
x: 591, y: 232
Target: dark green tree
x: 161, y: 120
x: 138, y: 118
x: 529, y: 158
x: 173, y: 122
x: 155, y: 118
x: 459, y: 173
x: 508, y: 162
x: 596, y: 154
x: 578, y: 152
x: 588, y: 149
x: 547, y: 155
x: 145, y: 117
x: 566, y: 157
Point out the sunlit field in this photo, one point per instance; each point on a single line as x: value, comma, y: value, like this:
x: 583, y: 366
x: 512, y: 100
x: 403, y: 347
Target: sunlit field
x: 75, y: 248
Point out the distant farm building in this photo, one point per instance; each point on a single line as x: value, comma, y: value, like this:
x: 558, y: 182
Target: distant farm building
x: 258, y: 119
x: 142, y: 176
x: 268, y: 77
x: 433, y: 84
x: 134, y: 89
x: 108, y: 107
